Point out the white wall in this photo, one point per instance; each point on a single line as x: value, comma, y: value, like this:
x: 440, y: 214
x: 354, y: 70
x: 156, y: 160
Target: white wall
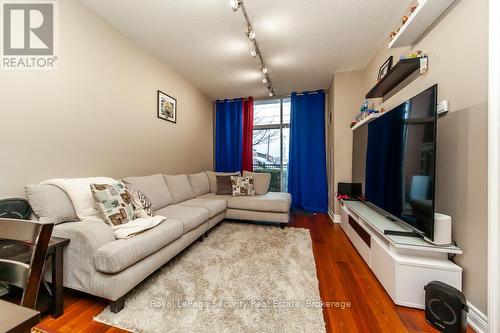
x: 96, y: 114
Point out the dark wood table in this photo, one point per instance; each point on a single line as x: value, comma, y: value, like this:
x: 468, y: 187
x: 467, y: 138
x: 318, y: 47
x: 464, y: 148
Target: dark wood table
x: 21, y: 252
x: 16, y: 319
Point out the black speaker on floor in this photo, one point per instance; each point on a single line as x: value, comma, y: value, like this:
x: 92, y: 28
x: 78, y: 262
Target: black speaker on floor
x: 445, y: 307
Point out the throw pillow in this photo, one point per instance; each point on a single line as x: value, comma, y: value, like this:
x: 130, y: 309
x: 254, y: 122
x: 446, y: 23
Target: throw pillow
x: 261, y: 181
x: 212, y: 178
x: 224, y: 185
x: 242, y: 186
x: 114, y: 203
x: 143, y: 206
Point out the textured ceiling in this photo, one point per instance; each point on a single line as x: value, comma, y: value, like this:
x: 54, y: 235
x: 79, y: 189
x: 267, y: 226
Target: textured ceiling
x: 303, y: 41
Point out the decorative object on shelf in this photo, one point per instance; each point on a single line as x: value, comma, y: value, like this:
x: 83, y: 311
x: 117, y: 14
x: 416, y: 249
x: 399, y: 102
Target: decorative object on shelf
x: 384, y: 69
x: 413, y: 7
x: 404, y: 19
x: 167, y: 107
x: 415, y: 54
x: 392, y: 35
x: 361, y: 116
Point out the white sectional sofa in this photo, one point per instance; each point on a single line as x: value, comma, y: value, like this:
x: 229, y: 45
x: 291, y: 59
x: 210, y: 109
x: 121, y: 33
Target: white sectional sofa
x: 97, y: 263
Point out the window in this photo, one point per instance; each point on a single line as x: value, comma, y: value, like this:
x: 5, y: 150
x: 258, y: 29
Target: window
x: 271, y: 139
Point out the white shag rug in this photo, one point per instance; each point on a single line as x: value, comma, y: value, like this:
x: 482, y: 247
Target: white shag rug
x: 241, y: 278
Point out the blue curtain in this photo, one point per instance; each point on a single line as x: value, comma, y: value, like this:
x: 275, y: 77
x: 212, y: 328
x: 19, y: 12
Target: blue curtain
x: 228, y: 135
x: 307, y: 161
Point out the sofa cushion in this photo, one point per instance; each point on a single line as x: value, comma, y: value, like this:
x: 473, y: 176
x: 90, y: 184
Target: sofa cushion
x: 199, y: 183
x: 212, y: 178
x: 278, y: 202
x: 191, y: 217
x: 261, y: 181
x: 179, y: 187
x: 116, y: 256
x: 215, y: 206
x: 154, y: 187
x: 213, y: 196
x: 50, y: 204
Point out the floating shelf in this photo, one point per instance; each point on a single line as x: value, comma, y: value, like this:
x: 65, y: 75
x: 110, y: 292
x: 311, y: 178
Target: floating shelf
x: 419, y: 21
x: 397, y: 74
x: 366, y: 120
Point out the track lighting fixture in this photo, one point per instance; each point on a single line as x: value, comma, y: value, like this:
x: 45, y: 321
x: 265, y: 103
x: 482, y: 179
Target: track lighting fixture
x: 255, y: 51
x: 235, y: 4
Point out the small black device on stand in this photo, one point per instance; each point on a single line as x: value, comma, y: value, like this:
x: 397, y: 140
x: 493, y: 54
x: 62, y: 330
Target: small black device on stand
x: 349, y: 191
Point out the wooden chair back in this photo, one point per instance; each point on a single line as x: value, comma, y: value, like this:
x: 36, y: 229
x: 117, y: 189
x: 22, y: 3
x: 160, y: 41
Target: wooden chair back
x: 22, y: 275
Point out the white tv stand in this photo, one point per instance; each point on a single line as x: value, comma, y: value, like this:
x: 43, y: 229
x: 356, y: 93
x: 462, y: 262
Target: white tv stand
x: 403, y: 265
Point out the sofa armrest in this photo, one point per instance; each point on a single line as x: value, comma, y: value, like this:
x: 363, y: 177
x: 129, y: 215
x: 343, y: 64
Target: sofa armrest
x: 85, y: 238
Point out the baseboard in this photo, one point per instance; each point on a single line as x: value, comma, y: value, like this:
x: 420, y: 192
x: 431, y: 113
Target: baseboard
x: 335, y: 217
x: 477, y: 320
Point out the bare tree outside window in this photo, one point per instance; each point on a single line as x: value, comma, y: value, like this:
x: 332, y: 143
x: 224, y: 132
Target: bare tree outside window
x: 270, y: 140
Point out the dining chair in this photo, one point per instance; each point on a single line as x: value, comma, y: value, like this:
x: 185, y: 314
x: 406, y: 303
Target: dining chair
x: 25, y: 276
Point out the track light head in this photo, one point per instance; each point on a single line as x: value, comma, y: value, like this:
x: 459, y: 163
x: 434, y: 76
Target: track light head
x: 264, y: 70
x: 253, y: 53
x: 271, y: 94
x: 264, y: 80
x: 251, y: 34
x: 235, y: 4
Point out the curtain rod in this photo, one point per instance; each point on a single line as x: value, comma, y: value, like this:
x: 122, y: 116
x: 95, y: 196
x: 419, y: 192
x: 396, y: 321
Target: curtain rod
x: 276, y: 96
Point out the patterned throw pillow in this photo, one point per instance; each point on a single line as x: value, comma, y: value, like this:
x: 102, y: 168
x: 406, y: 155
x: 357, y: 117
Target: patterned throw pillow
x: 114, y: 203
x: 242, y: 186
x: 142, y: 202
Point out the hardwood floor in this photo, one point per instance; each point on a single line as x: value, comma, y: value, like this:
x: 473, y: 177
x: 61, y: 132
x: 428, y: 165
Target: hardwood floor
x: 344, y: 279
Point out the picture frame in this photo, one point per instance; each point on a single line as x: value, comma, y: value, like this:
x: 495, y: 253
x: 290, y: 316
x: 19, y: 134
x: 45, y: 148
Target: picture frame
x: 384, y: 69
x: 166, y: 107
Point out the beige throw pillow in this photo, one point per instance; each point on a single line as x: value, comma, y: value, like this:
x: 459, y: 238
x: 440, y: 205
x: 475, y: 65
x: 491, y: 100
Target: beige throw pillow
x: 261, y: 181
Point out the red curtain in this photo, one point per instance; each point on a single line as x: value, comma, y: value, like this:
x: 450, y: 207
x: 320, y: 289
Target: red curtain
x: 247, y: 151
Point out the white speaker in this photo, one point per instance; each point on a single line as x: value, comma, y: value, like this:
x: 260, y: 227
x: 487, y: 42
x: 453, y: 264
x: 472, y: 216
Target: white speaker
x: 442, y: 229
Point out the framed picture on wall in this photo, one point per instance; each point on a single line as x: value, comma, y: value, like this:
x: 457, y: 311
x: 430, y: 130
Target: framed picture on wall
x: 384, y: 69
x: 167, y: 107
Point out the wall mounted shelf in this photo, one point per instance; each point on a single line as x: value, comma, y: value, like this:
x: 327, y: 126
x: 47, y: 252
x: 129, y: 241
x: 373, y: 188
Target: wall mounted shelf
x: 366, y: 120
x: 419, y: 21
x: 402, y: 70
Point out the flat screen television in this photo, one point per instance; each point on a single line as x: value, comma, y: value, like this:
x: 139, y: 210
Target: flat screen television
x: 400, y: 162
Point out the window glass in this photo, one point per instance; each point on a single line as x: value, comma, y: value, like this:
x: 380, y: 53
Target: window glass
x: 270, y: 140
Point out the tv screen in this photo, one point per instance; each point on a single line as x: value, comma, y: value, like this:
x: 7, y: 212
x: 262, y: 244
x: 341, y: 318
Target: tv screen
x: 400, y: 161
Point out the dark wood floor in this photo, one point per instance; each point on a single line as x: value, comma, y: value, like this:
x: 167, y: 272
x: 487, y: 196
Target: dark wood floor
x: 342, y: 275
